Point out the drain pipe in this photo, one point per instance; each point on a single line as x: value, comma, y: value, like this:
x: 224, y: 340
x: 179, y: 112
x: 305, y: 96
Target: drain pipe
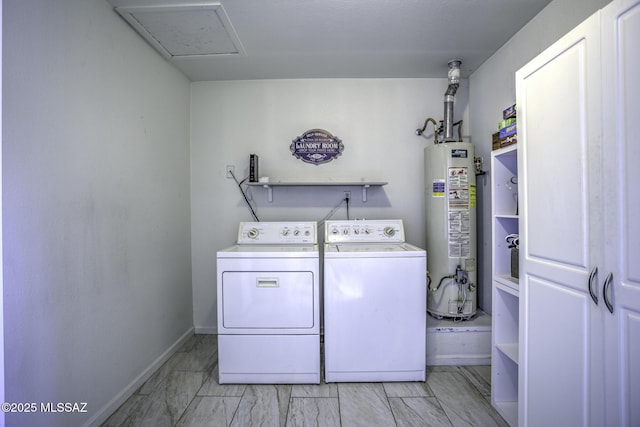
x: 449, y: 97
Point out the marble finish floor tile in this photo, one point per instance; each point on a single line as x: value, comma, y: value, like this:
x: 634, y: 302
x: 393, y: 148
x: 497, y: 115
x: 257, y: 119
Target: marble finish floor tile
x: 313, y: 412
x: 202, y: 355
x: 462, y: 402
x: 418, y: 412
x: 165, y: 406
x: 199, y: 353
x: 263, y: 405
x: 211, y: 411
x: 443, y: 368
x: 160, y: 376
x: 416, y: 389
x: 120, y: 416
x: 480, y: 377
x: 364, y: 404
x: 211, y: 387
x: 185, y: 392
x: 314, y: 390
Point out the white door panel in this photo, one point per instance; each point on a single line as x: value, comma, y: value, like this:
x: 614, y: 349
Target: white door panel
x: 621, y: 113
x: 561, y: 231
x: 560, y: 344
x: 556, y: 122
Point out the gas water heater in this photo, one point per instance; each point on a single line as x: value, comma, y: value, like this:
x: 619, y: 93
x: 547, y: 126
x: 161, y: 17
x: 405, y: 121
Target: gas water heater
x: 450, y: 207
x: 450, y: 215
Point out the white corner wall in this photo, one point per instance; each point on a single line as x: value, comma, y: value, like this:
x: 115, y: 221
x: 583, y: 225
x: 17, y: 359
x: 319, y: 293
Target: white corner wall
x: 97, y: 270
x: 492, y: 89
x: 375, y: 118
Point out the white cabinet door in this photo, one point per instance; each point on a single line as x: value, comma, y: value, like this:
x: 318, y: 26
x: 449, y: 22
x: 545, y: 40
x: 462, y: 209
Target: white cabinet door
x: 621, y: 143
x: 561, y: 357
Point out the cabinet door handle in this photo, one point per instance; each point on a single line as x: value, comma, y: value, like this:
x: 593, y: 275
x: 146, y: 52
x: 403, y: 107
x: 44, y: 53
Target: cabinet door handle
x: 592, y: 276
x: 605, y: 292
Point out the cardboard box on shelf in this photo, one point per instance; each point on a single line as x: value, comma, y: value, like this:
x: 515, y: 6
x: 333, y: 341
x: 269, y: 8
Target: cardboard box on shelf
x: 509, y: 112
x: 495, y: 143
x: 508, y: 130
x: 509, y: 140
x: 506, y: 122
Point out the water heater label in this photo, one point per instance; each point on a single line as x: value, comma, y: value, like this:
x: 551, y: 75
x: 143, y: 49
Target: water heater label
x: 472, y: 195
x: 458, y: 188
x: 459, y: 203
x: 438, y: 188
x: 459, y: 234
x: 458, y: 153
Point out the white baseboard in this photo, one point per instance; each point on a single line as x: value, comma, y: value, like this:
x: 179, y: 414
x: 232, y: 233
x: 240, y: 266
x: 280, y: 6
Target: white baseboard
x: 103, y: 413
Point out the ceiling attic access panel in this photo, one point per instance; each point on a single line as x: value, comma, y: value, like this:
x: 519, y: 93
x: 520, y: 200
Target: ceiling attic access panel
x: 185, y: 31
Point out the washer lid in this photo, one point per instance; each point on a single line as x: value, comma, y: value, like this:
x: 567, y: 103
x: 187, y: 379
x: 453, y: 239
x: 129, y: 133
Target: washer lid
x: 337, y: 250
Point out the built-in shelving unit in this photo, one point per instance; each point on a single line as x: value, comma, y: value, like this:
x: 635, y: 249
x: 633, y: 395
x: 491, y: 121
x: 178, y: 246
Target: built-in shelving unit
x: 364, y: 186
x: 505, y: 293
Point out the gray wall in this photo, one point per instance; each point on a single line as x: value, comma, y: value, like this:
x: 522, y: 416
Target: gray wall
x: 492, y: 88
x: 375, y: 118
x: 97, y: 274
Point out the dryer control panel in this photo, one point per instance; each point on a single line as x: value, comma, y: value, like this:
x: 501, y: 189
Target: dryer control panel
x: 364, y: 231
x: 278, y: 233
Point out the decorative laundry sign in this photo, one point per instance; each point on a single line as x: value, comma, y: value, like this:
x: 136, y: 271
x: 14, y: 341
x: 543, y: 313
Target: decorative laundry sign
x: 316, y: 146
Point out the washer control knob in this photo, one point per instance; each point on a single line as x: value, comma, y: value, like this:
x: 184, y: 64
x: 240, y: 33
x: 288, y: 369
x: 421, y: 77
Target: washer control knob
x: 345, y: 231
x: 389, y: 231
x: 285, y: 232
x: 356, y: 231
x: 253, y: 233
x: 296, y: 232
x: 307, y: 232
x: 334, y: 231
x: 367, y: 231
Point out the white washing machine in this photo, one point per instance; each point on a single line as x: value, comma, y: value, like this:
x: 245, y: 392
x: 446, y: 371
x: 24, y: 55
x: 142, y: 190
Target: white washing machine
x: 268, y: 305
x: 375, y: 303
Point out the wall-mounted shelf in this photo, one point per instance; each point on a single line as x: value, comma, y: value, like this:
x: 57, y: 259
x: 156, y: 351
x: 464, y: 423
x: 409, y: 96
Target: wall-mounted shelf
x: 363, y: 186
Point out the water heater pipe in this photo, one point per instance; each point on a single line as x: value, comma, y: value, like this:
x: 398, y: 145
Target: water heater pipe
x: 435, y: 129
x: 449, y: 97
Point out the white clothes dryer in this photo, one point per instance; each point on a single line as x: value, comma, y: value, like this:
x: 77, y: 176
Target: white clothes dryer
x: 268, y: 305
x: 375, y: 296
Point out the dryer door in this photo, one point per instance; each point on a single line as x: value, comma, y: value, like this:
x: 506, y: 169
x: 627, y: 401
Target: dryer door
x: 267, y: 300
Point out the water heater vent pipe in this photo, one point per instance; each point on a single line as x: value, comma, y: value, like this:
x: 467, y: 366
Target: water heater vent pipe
x: 449, y: 97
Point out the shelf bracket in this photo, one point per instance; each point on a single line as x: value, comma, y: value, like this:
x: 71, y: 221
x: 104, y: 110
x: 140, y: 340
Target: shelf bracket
x: 269, y: 192
x: 364, y: 193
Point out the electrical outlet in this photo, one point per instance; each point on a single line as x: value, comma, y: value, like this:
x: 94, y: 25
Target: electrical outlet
x: 347, y: 195
x: 230, y: 170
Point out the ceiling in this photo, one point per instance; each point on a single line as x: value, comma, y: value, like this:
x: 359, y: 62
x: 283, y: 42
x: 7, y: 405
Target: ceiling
x: 265, y: 39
